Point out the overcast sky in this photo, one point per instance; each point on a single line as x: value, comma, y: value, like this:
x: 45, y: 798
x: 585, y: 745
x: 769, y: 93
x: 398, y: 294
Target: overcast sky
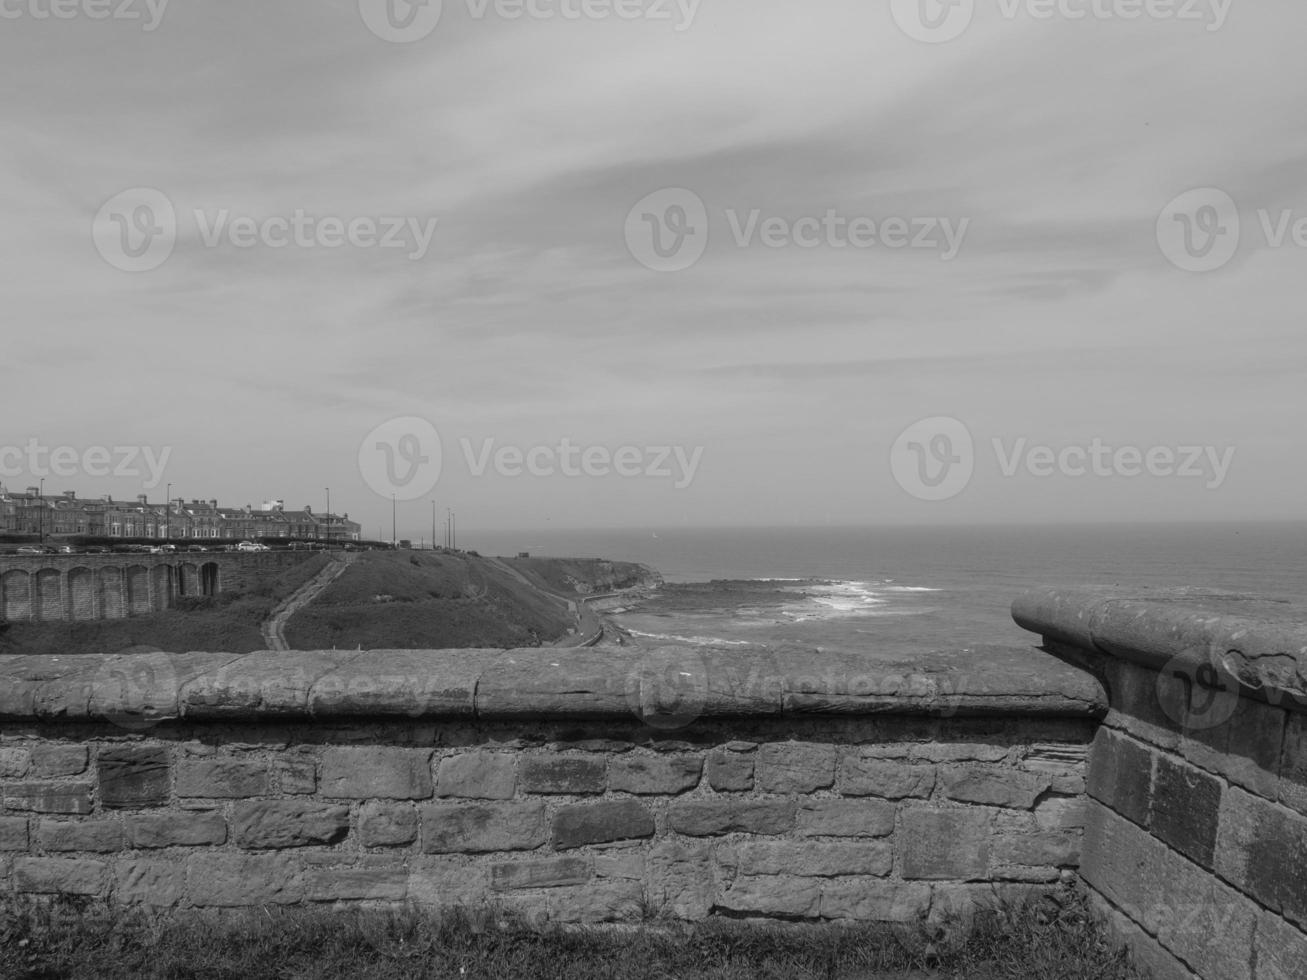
x: 1037, y: 296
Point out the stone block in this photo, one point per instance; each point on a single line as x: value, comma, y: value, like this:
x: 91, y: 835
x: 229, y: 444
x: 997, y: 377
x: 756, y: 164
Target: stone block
x: 1186, y: 803
x: 60, y: 876
x: 70, y: 798
x: 796, y: 767
x: 376, y: 772
x: 870, y: 775
x: 1121, y: 775
x: 50, y: 760
x: 714, y: 818
x: 478, y: 776
x: 180, y: 828
x: 807, y: 860
x: 160, y: 884
x: 100, y: 836
x: 846, y: 818
x: 288, y: 823
x: 876, y: 900
x: 387, y: 824
x: 599, y: 823
x: 1124, y: 863
x: 995, y: 786
x: 1276, y: 859
x: 1046, y: 849
x: 297, y: 776
x: 13, y: 834
x: 14, y: 763
x: 356, y: 884
x: 1061, y: 813
x: 1245, y: 749
x: 478, y: 828
x: 1281, y: 950
x: 564, y: 774
x: 133, y: 777
x: 945, y: 844
x: 235, y: 880
x: 781, y: 895
x: 681, y: 880
x: 613, y: 900
x: 655, y: 775
x: 620, y: 861
x: 217, y: 779
x: 1293, y: 763
x: 448, y: 883
x: 960, y: 752
x: 550, y: 873
x: 730, y: 772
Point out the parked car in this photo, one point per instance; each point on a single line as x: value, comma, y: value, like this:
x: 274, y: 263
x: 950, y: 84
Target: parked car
x: 196, y: 547
x: 31, y: 549
x: 252, y: 546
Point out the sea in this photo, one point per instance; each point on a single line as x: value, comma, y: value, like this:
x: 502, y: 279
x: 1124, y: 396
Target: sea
x: 908, y: 588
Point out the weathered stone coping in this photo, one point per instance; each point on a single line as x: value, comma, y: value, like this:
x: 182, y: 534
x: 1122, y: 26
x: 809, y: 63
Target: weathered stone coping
x: 1254, y: 643
x: 665, y: 686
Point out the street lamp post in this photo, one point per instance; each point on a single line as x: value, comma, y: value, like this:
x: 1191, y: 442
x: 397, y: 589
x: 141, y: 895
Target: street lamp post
x: 40, y: 512
x: 394, y: 522
x: 328, y: 517
x: 167, y: 512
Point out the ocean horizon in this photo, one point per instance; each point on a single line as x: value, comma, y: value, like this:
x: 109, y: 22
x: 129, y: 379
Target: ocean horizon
x: 911, y: 588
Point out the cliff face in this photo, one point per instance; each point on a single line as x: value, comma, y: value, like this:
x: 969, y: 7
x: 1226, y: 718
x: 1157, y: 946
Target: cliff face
x: 585, y: 576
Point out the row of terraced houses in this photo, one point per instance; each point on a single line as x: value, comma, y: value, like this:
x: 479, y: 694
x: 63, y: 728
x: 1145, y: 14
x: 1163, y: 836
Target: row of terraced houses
x: 67, y: 514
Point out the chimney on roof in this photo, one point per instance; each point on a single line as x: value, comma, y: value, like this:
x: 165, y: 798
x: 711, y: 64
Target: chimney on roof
x: 142, y: 498
x: 70, y: 494
x: 213, y: 504
x: 33, y: 491
x: 107, y: 499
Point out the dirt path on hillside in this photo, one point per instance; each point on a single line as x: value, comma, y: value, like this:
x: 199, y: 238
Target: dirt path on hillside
x: 274, y: 628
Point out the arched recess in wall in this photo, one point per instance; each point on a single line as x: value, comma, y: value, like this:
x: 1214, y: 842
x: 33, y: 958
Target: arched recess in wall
x: 209, y: 580
x: 138, y: 590
x: 16, y: 596
x: 113, y: 603
x: 81, y: 593
x: 164, y: 584
x: 49, y: 595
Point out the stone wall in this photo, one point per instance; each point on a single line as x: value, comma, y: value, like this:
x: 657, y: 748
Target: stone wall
x: 578, y: 785
x: 1196, y: 840
x: 91, y: 587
